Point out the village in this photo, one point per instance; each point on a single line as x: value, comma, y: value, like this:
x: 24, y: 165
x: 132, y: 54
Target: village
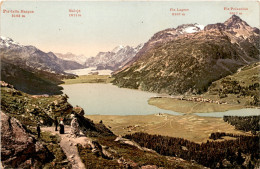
x: 200, y: 99
x: 192, y: 98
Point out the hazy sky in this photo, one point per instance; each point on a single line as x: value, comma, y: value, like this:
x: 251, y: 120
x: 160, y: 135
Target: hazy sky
x: 104, y: 25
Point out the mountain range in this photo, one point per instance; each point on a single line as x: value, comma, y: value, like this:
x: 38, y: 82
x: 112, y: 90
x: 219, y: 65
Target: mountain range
x: 174, y: 61
x: 33, y: 57
x: 31, y: 70
x: 81, y: 59
x: 114, y: 59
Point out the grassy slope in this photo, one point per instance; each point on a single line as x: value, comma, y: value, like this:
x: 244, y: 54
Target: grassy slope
x: 130, y: 153
x: 30, y: 80
x: 29, y: 109
x: 241, y: 88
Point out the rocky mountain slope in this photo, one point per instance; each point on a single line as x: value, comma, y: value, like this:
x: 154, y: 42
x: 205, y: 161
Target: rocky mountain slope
x: 176, y: 63
x: 114, y: 59
x: 166, y: 36
x: 81, y: 59
x: 13, y: 52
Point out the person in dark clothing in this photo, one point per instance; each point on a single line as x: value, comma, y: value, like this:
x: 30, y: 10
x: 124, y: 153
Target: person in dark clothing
x: 38, y: 130
x: 61, y: 127
x: 56, y: 124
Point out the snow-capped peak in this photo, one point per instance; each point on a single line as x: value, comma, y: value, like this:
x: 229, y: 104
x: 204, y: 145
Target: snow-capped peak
x: 190, y: 28
x: 200, y: 26
x: 118, y: 48
x: 6, y: 42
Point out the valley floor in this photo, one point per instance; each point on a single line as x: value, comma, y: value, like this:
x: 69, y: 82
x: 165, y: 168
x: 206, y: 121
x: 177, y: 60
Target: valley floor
x: 191, y: 127
x: 89, y: 79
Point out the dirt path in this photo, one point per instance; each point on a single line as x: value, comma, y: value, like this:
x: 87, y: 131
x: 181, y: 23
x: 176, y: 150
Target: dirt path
x: 68, y: 144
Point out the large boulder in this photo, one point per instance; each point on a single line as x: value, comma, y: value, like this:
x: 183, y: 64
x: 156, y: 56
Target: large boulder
x: 18, y: 147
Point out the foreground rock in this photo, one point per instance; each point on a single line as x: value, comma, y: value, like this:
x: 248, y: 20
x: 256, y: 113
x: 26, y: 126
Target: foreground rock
x: 19, y: 148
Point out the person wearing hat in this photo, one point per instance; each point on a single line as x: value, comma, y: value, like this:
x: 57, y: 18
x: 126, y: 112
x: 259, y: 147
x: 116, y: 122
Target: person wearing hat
x: 61, y: 126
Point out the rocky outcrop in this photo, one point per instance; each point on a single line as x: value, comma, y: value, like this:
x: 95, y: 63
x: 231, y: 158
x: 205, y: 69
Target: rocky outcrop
x: 4, y: 84
x: 19, y: 148
x: 60, y: 108
x: 79, y: 110
x: 90, y: 129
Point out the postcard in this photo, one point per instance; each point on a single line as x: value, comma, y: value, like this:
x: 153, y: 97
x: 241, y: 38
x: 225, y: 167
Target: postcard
x: 130, y: 84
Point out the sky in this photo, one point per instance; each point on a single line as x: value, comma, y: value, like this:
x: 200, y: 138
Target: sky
x: 105, y: 25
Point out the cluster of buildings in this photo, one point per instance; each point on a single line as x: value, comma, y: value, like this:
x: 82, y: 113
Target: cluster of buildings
x: 200, y: 99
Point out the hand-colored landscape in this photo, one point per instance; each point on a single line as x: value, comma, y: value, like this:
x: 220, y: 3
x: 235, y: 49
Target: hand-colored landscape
x: 187, y: 96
